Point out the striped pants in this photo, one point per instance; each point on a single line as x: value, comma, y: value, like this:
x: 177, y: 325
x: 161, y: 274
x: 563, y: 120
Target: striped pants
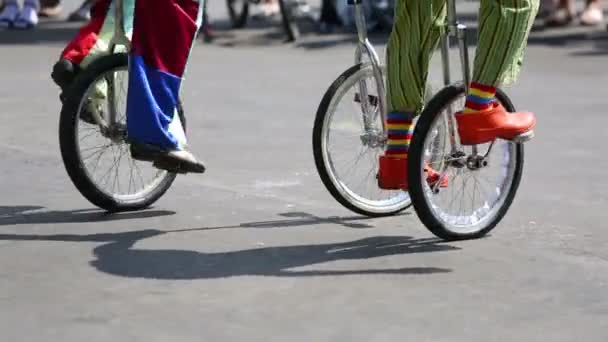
x: 504, y: 26
x: 163, y: 33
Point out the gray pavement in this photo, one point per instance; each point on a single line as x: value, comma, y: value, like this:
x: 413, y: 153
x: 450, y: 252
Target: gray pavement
x: 249, y: 256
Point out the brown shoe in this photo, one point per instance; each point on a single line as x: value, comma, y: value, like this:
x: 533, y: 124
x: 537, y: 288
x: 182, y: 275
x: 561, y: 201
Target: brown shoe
x: 177, y: 161
x: 50, y: 8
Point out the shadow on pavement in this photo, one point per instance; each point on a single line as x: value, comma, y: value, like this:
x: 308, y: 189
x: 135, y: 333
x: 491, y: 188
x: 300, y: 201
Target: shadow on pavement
x: 297, y: 219
x: 119, y: 257
x: 53, y: 32
x: 12, y: 215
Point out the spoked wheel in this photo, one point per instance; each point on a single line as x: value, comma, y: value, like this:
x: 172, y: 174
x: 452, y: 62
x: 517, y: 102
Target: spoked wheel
x: 238, y: 11
x: 481, y: 186
x: 95, y: 152
x: 346, y: 149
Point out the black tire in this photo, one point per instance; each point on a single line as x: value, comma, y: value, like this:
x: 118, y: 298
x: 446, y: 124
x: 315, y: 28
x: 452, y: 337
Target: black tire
x: 317, y: 142
x: 289, y: 20
x: 69, y: 146
x: 446, y: 96
x: 238, y: 11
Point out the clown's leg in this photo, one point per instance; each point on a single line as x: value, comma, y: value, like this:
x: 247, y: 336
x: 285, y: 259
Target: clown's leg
x: 159, y: 55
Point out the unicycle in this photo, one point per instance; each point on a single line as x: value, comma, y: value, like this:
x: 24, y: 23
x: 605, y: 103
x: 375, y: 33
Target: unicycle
x: 483, y: 179
x: 349, y: 135
x: 93, y: 137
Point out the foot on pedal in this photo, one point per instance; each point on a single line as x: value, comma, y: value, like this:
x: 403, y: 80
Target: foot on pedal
x: 177, y: 161
x: 486, y: 126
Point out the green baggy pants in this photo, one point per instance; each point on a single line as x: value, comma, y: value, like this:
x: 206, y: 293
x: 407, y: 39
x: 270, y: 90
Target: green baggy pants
x: 504, y: 26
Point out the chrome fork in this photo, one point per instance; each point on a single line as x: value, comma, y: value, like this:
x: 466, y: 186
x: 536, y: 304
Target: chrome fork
x: 119, y: 38
x: 365, y: 48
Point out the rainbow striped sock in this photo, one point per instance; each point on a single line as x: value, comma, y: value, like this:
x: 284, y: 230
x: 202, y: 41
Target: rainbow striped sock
x: 479, y: 98
x: 400, y: 128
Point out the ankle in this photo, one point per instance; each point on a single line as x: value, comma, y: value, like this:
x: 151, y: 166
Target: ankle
x: 399, y: 127
x: 480, y: 98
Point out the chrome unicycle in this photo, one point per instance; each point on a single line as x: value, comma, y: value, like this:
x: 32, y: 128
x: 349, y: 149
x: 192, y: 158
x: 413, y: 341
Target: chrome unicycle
x: 93, y: 136
x: 481, y: 179
x: 349, y: 136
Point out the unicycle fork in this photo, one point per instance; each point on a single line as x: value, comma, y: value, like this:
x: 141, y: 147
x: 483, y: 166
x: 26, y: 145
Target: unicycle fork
x: 371, y: 107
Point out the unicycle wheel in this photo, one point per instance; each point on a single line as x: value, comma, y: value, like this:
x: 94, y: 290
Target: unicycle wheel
x: 96, y: 156
x: 481, y: 186
x: 346, y: 150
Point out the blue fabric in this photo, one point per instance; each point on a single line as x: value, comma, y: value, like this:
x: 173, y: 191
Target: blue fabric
x: 400, y: 115
x: 480, y: 100
x: 398, y: 131
x: 404, y: 148
x: 151, y: 103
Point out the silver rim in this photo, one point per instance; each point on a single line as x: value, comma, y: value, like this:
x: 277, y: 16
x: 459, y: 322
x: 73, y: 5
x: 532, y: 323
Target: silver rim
x: 103, y: 149
x: 474, y: 196
x: 350, y: 152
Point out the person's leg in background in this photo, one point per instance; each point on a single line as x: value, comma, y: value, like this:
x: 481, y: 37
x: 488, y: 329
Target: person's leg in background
x: 91, y: 41
x: 28, y: 18
x: 12, y: 16
x: 593, y: 13
x: 159, y: 54
x: 206, y: 27
x: 416, y: 31
x: 50, y: 8
x: 329, y: 18
x: 82, y: 13
x: 9, y: 13
x: 559, y: 12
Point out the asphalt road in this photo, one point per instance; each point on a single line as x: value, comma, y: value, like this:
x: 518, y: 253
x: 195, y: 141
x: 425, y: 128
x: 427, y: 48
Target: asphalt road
x: 247, y: 251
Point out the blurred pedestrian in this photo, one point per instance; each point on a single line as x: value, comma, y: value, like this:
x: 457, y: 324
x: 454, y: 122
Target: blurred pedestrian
x: 329, y: 19
x: 270, y: 8
x: 563, y: 12
x: 593, y: 14
x: 83, y: 13
x: 15, y: 16
x: 50, y: 8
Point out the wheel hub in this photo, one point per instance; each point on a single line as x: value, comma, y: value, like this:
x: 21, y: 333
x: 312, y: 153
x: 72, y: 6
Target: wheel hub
x: 373, y: 139
x: 117, y: 133
x: 476, y: 162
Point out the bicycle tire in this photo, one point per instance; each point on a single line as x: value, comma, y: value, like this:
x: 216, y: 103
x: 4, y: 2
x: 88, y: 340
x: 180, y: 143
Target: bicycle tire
x: 416, y: 187
x: 69, y: 145
x: 319, y: 153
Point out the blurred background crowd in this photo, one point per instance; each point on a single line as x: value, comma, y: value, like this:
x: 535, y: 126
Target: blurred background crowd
x: 334, y: 15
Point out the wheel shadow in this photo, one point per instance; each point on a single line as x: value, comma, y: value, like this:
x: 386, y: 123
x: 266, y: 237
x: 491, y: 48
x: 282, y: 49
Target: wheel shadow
x: 118, y: 255
x: 297, y: 219
x: 15, y: 215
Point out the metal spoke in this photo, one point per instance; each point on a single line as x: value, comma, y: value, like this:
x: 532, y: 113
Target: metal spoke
x: 351, y: 163
x: 470, y: 198
x: 105, y: 155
